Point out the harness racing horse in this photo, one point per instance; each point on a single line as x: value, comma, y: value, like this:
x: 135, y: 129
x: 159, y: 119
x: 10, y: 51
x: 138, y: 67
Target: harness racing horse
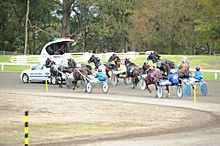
x: 71, y: 65
x: 163, y: 65
x: 133, y: 71
x: 97, y: 63
x: 116, y: 60
x: 152, y: 75
x: 55, y: 72
x: 94, y: 60
x: 80, y: 74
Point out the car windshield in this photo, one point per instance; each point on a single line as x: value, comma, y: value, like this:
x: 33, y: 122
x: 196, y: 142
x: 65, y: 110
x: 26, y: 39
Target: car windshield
x: 38, y: 67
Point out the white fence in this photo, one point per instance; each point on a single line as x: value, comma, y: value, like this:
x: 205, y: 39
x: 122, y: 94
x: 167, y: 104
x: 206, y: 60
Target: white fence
x: 22, y: 59
x: 2, y: 64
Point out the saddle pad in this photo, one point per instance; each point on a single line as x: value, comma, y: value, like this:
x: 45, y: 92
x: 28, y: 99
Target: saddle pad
x: 165, y: 82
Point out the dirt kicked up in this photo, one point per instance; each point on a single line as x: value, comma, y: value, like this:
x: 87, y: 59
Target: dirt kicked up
x: 57, y: 119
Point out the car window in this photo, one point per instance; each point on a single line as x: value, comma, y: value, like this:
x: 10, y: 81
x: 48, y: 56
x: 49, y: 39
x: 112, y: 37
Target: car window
x: 38, y: 67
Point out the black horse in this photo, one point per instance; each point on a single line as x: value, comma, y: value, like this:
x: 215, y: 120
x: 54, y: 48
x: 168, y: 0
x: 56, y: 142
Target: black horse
x: 114, y: 58
x: 55, y: 72
x: 94, y: 60
x: 163, y: 65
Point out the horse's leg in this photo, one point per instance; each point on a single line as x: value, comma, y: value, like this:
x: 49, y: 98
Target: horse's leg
x: 74, y: 84
x: 148, y: 87
x: 58, y: 78
x: 168, y: 91
x: 74, y: 81
x: 133, y: 83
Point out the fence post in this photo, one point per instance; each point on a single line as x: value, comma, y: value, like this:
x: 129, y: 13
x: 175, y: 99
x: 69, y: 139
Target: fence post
x: 2, y: 67
x: 216, y: 76
x: 194, y: 93
x: 26, y: 129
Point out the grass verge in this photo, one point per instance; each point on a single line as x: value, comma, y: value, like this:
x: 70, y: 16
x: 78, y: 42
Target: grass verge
x: 53, y: 131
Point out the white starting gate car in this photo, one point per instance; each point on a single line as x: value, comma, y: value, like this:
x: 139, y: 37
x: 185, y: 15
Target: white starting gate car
x: 38, y: 73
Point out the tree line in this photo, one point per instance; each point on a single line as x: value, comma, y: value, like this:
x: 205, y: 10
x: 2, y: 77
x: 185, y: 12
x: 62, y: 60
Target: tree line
x: 166, y: 26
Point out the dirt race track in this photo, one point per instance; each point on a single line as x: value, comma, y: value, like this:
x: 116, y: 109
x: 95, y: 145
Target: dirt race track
x: 124, y: 116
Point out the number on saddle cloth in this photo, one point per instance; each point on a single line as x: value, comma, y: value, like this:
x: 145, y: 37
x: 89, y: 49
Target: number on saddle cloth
x: 153, y: 73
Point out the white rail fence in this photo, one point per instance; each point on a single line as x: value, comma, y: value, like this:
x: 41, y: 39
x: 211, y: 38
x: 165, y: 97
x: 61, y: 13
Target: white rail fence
x: 2, y: 64
x: 81, y: 57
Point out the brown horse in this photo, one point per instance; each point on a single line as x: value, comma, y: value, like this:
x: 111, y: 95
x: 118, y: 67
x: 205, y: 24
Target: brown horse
x: 132, y: 71
x: 80, y: 74
x: 153, y: 76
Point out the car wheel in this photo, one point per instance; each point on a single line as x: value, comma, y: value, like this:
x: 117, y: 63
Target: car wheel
x: 25, y: 78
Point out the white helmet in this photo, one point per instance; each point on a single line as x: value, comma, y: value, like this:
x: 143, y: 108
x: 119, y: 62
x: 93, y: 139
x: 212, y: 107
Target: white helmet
x: 69, y: 56
x: 173, y: 71
x: 184, y: 59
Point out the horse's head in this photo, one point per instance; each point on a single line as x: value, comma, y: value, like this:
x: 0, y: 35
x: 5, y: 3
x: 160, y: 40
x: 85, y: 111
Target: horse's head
x: 72, y: 63
x: 145, y: 66
x: 91, y: 59
x: 114, y: 57
x: 154, y: 57
x: 127, y: 61
x: 94, y: 60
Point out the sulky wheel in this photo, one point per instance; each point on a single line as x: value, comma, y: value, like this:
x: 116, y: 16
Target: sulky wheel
x: 159, y: 91
x: 187, y: 90
x: 114, y: 80
x: 53, y: 80
x: 179, y: 91
x: 128, y: 80
x: 203, y: 89
x: 89, y: 87
x: 142, y: 84
x: 84, y: 83
x: 105, y: 87
x: 69, y: 83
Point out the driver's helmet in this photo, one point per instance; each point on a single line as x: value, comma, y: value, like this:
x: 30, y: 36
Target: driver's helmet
x: 184, y: 59
x: 69, y: 56
x: 172, y: 71
x: 197, y: 68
